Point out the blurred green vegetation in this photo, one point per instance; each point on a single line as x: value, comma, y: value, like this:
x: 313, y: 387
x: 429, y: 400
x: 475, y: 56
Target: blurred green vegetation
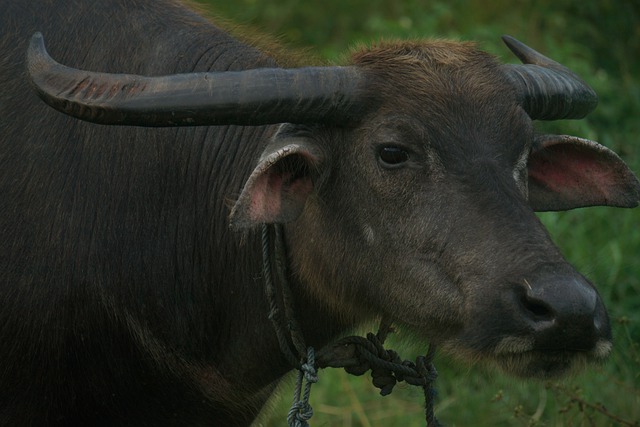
x: 600, y: 40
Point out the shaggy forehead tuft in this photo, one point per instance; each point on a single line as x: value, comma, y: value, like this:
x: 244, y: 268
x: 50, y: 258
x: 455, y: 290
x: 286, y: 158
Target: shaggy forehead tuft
x: 431, y: 52
x: 438, y: 69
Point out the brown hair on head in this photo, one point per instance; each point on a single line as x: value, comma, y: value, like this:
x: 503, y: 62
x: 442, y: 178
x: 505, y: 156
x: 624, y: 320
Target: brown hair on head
x: 432, y: 52
x: 437, y: 70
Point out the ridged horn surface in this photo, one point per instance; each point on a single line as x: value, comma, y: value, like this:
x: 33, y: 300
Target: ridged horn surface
x: 250, y: 97
x: 547, y: 89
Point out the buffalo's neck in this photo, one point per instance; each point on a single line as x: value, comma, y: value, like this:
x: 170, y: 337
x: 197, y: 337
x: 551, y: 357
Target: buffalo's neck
x: 248, y: 353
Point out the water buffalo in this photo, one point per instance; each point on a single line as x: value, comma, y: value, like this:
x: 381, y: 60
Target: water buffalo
x: 405, y: 181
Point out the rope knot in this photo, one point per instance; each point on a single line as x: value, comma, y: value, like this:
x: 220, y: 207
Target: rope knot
x: 301, y: 411
x: 310, y: 373
x: 384, y: 380
x: 309, y: 368
x: 300, y: 414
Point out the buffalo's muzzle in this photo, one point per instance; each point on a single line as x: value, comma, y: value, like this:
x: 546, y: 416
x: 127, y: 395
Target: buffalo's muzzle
x: 564, y: 313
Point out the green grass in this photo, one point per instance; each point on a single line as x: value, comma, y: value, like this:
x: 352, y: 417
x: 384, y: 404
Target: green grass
x: 599, y: 40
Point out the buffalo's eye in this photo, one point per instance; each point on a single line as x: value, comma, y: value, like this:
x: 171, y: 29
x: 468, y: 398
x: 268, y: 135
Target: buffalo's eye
x: 391, y: 156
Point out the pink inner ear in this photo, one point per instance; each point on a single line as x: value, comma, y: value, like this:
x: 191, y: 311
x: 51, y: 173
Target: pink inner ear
x: 278, y: 196
x: 567, y: 172
x: 265, y: 200
x: 573, y: 170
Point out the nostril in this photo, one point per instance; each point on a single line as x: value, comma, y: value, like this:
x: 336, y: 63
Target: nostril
x: 560, y: 312
x: 540, y: 310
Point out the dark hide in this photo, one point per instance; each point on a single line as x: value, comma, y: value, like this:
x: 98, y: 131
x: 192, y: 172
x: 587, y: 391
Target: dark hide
x: 128, y: 300
x: 125, y: 302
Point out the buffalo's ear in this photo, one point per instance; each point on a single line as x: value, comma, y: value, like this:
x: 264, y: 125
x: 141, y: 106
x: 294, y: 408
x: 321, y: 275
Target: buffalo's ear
x: 278, y: 187
x: 567, y: 172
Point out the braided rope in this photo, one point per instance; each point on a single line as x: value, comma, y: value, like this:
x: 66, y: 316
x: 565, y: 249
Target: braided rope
x: 270, y: 291
x: 301, y: 411
x: 287, y: 298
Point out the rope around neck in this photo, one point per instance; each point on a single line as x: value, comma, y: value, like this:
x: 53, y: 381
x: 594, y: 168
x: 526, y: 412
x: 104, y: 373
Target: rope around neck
x: 301, y: 411
x: 356, y: 355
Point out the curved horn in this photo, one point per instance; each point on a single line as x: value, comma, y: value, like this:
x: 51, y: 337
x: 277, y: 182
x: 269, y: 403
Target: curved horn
x: 547, y: 89
x: 251, y: 97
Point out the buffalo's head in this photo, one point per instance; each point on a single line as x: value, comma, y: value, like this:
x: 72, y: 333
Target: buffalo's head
x: 408, y: 182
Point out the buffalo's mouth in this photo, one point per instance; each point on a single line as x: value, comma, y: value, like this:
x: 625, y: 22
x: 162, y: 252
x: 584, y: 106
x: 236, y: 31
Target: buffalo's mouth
x: 519, y: 357
x: 548, y: 363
